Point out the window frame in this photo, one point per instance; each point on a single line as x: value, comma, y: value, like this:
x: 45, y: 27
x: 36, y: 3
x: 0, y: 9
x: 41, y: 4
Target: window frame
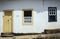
x: 52, y: 15
x: 23, y: 16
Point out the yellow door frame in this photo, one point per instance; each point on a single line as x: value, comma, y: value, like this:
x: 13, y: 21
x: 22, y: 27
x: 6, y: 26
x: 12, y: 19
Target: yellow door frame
x: 12, y: 20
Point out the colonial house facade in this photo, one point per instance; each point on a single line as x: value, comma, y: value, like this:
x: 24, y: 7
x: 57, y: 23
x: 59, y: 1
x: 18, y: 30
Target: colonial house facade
x: 29, y: 16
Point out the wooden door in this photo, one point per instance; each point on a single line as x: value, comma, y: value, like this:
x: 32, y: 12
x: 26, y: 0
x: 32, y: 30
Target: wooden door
x: 7, y: 22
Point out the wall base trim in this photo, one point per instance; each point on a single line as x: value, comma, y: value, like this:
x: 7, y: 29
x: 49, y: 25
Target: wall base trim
x: 20, y: 34
x: 7, y: 35
x: 17, y: 34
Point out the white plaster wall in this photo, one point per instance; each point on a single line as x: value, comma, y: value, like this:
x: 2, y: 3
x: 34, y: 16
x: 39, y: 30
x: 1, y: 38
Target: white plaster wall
x: 52, y: 3
x: 1, y: 22
x: 1, y: 18
x: 40, y: 12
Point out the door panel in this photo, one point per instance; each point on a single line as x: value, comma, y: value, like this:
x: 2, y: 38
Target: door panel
x: 7, y: 26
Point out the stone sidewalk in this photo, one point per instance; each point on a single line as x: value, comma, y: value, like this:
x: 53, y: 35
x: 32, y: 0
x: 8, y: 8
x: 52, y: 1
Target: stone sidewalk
x: 32, y: 36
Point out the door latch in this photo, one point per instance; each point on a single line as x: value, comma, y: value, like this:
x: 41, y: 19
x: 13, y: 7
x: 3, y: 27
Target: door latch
x: 8, y: 20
